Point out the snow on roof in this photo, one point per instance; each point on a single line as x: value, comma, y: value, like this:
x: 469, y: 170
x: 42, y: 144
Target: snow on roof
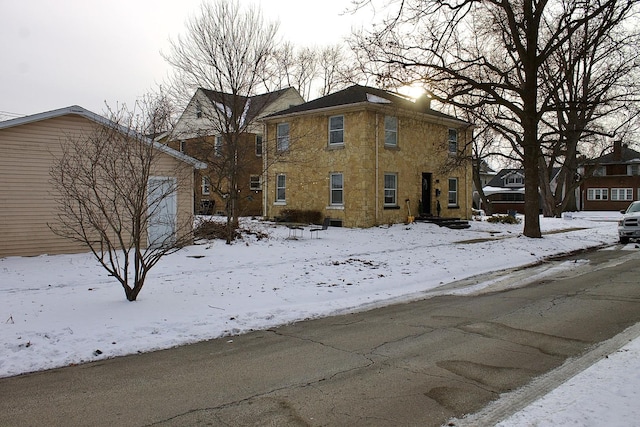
x: 375, y: 99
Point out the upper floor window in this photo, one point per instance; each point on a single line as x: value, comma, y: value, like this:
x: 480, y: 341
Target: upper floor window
x: 336, y: 130
x: 600, y: 171
x: 198, y: 109
x: 390, y: 131
x: 390, y: 189
x: 183, y: 146
x: 217, y: 148
x: 258, y: 145
x: 514, y: 179
x: 453, y: 192
x: 453, y: 141
x: 337, y: 189
x: 206, y: 186
x: 281, y: 188
x: 282, y: 137
x: 633, y: 169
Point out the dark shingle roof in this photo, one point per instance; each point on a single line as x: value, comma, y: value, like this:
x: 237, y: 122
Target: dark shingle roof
x: 363, y: 94
x: 257, y: 103
x: 627, y: 155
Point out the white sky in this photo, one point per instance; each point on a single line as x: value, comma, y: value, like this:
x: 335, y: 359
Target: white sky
x: 65, y: 52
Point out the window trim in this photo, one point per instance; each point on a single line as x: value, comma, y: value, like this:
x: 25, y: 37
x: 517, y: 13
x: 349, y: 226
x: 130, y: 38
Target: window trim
x: 336, y: 130
x: 391, y: 131
x: 394, y: 203
x: 279, y: 188
x: 198, y: 110
x: 333, y: 190
x: 282, y: 140
x: 452, y: 192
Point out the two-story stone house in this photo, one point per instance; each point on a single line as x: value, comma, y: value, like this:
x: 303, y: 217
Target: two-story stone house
x: 363, y: 156
x: 199, y: 134
x: 614, y: 180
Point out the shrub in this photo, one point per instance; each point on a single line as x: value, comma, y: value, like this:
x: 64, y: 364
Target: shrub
x: 503, y: 219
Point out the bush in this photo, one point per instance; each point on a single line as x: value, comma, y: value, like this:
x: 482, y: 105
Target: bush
x: 213, y: 230
x: 503, y: 219
x: 301, y: 216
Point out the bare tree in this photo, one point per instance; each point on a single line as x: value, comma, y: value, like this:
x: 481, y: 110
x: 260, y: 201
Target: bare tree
x: 476, y: 53
x: 110, y: 198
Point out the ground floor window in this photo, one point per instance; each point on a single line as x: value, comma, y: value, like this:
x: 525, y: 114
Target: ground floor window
x: 598, y: 194
x: 390, y: 189
x: 453, y: 191
x: 622, y: 194
x: 255, y: 183
x: 337, y: 189
x: 206, y: 186
x: 281, y: 188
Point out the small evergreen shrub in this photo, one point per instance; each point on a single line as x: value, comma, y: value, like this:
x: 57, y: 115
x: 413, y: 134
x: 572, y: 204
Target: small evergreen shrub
x: 503, y: 219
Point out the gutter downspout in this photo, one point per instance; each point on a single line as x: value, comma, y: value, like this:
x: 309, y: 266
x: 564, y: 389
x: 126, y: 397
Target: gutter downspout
x: 265, y: 169
x: 377, y: 196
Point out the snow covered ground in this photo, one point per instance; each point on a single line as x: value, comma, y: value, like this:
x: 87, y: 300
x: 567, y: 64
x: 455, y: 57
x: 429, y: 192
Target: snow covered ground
x: 62, y: 310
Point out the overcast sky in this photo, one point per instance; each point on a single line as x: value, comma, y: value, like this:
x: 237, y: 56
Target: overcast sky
x: 57, y: 53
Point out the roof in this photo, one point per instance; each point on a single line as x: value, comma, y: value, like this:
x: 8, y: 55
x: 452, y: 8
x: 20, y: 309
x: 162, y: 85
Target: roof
x: 250, y: 106
x: 627, y: 155
x: 79, y: 111
x: 357, y: 94
x: 498, y: 180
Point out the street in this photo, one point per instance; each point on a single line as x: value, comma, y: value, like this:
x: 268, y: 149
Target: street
x: 418, y: 363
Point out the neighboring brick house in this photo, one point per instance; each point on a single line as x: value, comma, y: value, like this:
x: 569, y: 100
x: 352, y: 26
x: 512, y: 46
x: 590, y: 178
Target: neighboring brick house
x: 358, y: 155
x: 198, y: 134
x: 614, y: 182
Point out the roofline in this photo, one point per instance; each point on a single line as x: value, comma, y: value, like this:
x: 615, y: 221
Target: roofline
x: 365, y: 105
x: 82, y: 112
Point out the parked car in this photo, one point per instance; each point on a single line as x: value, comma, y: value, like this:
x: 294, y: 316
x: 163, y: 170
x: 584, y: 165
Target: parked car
x: 629, y: 225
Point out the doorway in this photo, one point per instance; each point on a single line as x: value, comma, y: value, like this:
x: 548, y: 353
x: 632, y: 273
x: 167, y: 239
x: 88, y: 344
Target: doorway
x: 162, y: 211
x: 426, y: 195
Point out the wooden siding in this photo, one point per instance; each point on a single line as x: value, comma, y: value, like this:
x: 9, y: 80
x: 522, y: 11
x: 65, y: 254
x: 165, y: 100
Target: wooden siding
x: 27, y: 201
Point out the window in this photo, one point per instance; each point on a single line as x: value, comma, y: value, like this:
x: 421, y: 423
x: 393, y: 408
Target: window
x: 514, y: 180
x: 390, y: 189
x: 622, y: 194
x: 282, y: 137
x: 281, y: 188
x: 255, y: 182
x: 633, y: 169
x: 258, y: 145
x: 600, y: 171
x: 217, y: 148
x: 597, y: 194
x: 336, y: 130
x: 453, y: 141
x: 390, y: 131
x: 183, y: 146
x: 453, y: 191
x: 206, y: 185
x: 198, y: 110
x: 337, y: 189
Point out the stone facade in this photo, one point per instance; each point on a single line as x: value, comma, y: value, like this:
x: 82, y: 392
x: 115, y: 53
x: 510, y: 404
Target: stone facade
x: 418, y: 162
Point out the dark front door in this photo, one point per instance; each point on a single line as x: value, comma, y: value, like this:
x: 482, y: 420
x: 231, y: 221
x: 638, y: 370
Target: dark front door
x: 426, y: 194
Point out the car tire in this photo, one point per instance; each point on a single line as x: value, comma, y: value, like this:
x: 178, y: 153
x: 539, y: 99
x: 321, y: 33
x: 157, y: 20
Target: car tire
x: 624, y: 240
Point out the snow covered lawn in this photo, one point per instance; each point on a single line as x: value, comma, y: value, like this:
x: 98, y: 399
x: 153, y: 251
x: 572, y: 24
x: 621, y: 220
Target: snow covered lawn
x: 62, y: 310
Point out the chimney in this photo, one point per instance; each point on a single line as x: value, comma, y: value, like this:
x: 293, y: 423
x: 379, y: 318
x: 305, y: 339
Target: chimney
x: 617, y: 151
x: 424, y: 101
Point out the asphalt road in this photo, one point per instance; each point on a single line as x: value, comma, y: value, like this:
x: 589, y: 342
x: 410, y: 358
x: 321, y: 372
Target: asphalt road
x: 418, y: 363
